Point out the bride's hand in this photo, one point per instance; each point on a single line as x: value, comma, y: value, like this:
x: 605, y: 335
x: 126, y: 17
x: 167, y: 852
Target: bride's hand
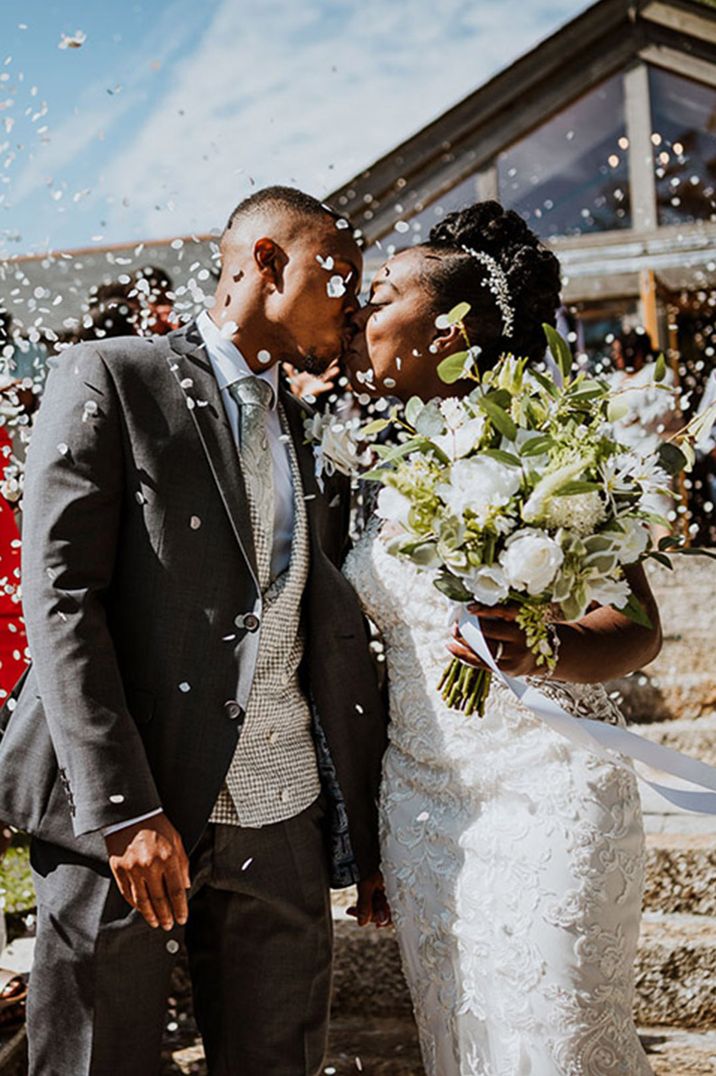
x: 504, y: 638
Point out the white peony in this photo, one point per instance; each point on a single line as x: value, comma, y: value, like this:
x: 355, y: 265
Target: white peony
x: 488, y: 584
x: 479, y: 484
x: 531, y: 560
x: 393, y: 506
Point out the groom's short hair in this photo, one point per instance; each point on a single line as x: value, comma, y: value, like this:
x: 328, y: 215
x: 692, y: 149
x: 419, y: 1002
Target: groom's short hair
x: 286, y: 199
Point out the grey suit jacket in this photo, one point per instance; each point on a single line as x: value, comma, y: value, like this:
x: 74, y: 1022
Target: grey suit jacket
x: 143, y: 609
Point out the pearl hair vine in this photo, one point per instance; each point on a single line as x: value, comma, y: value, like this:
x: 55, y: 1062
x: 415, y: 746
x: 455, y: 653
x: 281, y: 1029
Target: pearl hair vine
x: 496, y: 281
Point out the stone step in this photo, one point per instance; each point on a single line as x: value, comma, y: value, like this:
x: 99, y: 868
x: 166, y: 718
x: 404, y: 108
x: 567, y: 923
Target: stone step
x: 680, y: 1053
x: 675, y: 973
x: 681, y: 873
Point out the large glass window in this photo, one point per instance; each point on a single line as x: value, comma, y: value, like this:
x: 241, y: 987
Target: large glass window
x: 683, y: 119
x: 571, y: 176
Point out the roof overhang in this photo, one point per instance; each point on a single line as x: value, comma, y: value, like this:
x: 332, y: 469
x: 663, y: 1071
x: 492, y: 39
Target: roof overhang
x: 606, y: 38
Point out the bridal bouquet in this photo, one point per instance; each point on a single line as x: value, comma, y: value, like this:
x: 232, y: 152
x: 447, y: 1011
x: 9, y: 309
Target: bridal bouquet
x: 519, y: 493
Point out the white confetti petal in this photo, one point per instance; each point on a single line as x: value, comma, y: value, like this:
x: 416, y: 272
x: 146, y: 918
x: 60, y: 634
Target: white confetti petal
x: 336, y: 287
x: 263, y: 355
x: 116, y: 799
x: 184, y: 686
x: 72, y: 41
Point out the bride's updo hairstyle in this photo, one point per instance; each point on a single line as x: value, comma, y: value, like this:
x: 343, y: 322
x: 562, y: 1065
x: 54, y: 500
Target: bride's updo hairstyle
x: 458, y: 268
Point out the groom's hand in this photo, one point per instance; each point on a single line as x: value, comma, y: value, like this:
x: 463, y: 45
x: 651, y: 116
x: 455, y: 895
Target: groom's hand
x: 372, y: 906
x: 151, y: 868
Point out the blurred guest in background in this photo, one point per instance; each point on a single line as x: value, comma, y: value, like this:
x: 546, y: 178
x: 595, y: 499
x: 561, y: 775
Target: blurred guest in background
x: 152, y: 289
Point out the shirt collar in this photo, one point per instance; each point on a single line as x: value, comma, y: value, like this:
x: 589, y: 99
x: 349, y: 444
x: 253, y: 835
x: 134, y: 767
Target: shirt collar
x: 228, y: 363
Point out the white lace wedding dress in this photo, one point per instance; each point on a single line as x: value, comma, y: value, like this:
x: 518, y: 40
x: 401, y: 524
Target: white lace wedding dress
x: 513, y: 860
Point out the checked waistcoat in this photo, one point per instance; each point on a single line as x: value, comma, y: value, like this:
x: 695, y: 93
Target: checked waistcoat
x: 274, y: 773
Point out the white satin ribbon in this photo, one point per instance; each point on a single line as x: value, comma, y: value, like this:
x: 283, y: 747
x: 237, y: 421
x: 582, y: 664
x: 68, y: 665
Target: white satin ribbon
x: 605, y: 739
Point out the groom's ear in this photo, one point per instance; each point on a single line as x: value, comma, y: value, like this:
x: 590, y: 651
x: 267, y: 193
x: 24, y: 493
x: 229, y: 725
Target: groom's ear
x: 446, y: 341
x: 270, y: 261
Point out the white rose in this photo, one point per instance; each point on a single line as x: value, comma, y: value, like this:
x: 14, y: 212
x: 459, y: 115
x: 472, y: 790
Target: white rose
x: 488, y: 585
x: 609, y: 591
x: 393, y: 506
x: 531, y: 560
x: 479, y: 484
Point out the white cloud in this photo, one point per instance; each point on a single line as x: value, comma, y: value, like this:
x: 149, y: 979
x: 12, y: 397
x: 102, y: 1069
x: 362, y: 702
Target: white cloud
x: 307, y: 94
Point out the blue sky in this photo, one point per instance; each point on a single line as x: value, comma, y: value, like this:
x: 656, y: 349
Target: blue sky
x: 173, y: 110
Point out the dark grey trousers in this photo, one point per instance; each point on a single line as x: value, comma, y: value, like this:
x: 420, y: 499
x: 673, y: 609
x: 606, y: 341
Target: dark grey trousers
x: 259, y: 939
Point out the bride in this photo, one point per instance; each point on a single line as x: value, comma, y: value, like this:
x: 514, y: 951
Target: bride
x: 513, y: 859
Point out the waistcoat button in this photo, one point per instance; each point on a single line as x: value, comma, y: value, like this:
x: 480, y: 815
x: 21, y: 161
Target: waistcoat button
x: 233, y: 710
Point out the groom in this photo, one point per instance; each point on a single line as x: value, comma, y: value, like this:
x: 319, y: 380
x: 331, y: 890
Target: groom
x: 196, y: 747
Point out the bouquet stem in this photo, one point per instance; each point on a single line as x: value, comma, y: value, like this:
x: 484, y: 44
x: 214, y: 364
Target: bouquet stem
x: 464, y: 688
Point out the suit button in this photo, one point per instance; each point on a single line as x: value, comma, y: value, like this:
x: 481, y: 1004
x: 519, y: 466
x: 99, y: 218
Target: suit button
x: 233, y: 710
x: 251, y: 622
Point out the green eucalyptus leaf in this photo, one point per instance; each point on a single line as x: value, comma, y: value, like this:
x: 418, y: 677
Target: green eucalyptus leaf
x: 537, y: 446
x: 546, y: 382
x: 453, y: 588
x: 617, y: 409
x: 499, y: 418
x: 412, y: 409
x: 662, y: 559
x: 577, y: 487
x: 560, y: 351
x: 452, y: 368
x: 588, y: 390
x: 430, y: 421
x: 377, y: 426
x: 660, y: 368
x: 415, y: 444
x: 458, y: 313
x: 636, y: 612
x: 655, y: 518
x: 671, y: 458
x: 502, y: 457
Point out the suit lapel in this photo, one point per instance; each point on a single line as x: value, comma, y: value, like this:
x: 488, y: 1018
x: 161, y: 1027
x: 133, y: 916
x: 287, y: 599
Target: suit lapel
x: 190, y: 365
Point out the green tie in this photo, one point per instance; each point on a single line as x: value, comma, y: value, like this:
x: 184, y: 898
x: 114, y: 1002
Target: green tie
x: 254, y: 397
